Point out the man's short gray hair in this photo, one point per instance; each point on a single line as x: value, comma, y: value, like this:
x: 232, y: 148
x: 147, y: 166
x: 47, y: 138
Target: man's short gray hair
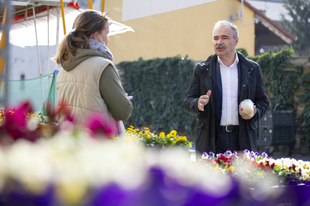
x: 227, y: 23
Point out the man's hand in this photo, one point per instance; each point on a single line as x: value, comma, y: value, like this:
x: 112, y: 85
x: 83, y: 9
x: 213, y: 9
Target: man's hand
x: 244, y: 115
x: 203, y: 100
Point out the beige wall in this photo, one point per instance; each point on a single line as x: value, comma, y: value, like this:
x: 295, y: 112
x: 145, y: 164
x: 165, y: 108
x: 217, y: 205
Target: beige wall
x: 181, y: 32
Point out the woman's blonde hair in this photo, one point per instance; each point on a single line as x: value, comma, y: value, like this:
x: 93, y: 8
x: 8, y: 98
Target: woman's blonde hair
x: 85, y: 24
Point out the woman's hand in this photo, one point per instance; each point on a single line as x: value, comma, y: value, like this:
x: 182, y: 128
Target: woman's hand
x: 129, y: 97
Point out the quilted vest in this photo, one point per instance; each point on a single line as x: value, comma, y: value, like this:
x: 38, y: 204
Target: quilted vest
x: 79, y: 89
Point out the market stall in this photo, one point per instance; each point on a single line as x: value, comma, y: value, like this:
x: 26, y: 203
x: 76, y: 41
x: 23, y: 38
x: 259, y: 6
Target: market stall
x: 38, y: 25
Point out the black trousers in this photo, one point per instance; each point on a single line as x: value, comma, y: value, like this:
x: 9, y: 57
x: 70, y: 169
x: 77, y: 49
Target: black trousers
x: 227, y: 141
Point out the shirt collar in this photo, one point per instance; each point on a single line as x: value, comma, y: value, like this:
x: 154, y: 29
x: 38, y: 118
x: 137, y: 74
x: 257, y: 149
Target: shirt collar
x: 235, y: 62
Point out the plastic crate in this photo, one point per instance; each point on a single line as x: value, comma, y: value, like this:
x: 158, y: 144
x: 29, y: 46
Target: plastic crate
x: 265, y: 130
x: 277, y: 127
x: 266, y: 120
x: 265, y: 136
x: 284, y: 127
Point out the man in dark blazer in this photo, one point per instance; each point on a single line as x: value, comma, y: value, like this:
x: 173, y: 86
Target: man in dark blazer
x: 219, y: 84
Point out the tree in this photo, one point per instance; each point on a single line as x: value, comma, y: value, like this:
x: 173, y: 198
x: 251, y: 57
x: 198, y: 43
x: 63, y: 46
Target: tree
x: 299, y: 11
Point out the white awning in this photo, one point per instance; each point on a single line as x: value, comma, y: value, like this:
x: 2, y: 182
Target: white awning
x: 22, y: 33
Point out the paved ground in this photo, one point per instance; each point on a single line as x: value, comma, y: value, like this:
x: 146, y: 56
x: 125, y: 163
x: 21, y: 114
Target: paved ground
x: 277, y: 155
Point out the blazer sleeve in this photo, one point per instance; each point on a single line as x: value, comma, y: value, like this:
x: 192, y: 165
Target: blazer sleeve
x: 191, y: 100
x: 261, y: 100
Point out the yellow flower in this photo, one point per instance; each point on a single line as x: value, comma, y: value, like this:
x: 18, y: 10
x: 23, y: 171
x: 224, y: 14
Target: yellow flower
x: 162, y: 134
x: 183, y: 138
x: 229, y: 168
x: 173, y: 133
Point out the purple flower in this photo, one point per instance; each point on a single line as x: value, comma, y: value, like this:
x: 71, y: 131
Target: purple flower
x: 228, y: 153
x: 264, y: 155
x: 252, y: 155
x: 211, y: 154
x: 234, y: 154
x: 205, y: 154
x: 246, y: 151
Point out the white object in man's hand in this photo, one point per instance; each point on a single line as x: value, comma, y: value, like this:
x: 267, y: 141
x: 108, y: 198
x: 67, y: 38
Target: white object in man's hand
x: 247, y: 107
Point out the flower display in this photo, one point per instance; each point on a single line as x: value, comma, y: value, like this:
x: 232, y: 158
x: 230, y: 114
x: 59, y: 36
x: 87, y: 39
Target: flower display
x: 49, y: 164
x: 67, y: 170
x: 160, y: 140
x: 253, y: 166
x: 21, y: 122
x: 75, y: 169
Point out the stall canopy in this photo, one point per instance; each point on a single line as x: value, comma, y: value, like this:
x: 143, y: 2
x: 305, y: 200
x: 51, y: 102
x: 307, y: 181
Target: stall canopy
x: 48, y: 21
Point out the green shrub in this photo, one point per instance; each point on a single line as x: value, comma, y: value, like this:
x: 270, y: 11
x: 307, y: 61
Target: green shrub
x: 158, y: 87
x: 243, y: 51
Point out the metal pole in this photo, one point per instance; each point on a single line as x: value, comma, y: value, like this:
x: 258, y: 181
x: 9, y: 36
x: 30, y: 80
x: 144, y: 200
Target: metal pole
x: 102, y: 6
x: 3, y: 44
x: 90, y: 4
x: 5, y: 48
x: 48, y: 46
x: 38, y: 54
x: 63, y: 16
x: 57, y: 34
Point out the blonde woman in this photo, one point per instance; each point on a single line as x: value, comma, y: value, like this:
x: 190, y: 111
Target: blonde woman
x: 88, y: 82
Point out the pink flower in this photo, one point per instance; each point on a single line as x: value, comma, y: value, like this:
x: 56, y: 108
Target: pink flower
x: 102, y: 124
x: 15, y: 123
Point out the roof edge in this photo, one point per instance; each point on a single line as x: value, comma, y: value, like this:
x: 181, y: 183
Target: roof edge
x: 272, y: 23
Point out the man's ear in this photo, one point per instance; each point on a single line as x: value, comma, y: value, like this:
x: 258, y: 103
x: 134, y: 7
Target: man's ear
x: 237, y: 41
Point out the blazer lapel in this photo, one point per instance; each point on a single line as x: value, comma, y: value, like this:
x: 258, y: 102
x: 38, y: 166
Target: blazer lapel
x: 245, y: 78
x: 218, y: 79
x: 209, y: 82
x: 218, y: 94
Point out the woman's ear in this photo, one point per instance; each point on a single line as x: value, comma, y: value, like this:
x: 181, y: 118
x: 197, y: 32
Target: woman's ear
x: 94, y: 35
